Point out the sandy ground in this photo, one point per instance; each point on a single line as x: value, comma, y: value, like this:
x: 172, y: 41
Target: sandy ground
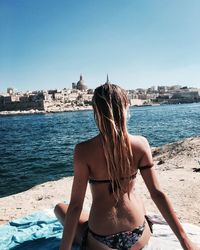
x: 178, y: 168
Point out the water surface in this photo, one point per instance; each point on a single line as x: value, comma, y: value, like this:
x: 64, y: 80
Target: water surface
x: 38, y: 148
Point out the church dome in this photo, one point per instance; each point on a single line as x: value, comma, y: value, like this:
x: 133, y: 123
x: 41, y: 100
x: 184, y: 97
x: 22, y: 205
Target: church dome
x: 81, y: 84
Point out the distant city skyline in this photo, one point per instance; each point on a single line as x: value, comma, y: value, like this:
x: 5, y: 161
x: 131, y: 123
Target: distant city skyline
x: 71, y: 87
x: 48, y: 44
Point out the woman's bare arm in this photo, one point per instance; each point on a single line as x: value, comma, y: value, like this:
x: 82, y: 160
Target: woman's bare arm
x: 160, y: 198
x: 79, y: 186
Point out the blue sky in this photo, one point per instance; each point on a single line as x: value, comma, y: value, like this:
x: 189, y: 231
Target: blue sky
x: 47, y: 44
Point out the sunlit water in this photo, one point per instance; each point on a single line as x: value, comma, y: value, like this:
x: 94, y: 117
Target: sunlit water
x: 38, y: 148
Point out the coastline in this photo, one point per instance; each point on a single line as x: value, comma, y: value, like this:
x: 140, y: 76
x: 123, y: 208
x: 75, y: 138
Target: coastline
x: 36, y: 111
x: 177, y: 166
x: 75, y: 108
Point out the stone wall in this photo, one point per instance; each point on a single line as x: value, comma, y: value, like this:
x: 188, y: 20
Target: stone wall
x: 15, y: 106
x: 182, y: 100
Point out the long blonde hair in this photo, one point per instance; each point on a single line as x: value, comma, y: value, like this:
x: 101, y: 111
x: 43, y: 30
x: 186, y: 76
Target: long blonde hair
x: 110, y: 103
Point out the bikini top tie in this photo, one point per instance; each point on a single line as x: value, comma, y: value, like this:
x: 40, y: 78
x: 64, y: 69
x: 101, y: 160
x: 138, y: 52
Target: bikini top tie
x: 110, y: 187
x: 95, y: 181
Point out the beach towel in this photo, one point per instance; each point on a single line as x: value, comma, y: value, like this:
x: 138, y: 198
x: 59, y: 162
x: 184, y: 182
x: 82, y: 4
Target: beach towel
x: 39, y: 231
x: 42, y: 231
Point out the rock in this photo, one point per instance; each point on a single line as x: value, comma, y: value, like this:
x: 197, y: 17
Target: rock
x: 160, y: 162
x: 196, y: 170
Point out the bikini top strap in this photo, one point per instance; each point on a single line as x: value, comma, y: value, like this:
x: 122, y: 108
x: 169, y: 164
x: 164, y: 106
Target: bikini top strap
x: 145, y: 167
x: 94, y: 181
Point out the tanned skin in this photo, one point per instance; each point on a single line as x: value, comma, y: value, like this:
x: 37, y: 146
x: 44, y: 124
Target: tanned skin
x: 106, y: 216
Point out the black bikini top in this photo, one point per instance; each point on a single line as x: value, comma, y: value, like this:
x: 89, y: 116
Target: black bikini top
x: 94, y: 181
x: 110, y: 187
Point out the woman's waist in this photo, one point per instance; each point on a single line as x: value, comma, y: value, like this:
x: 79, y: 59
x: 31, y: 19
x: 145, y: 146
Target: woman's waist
x: 103, y: 203
x: 113, y: 220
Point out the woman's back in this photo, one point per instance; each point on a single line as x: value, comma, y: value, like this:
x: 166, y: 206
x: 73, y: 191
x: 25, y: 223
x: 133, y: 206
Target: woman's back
x: 108, y: 215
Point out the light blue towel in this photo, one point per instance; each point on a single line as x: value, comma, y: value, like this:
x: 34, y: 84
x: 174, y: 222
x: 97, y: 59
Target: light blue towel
x: 38, y: 231
x: 42, y: 231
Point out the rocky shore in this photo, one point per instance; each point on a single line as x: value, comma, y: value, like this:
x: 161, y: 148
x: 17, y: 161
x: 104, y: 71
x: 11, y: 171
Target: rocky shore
x: 178, y: 168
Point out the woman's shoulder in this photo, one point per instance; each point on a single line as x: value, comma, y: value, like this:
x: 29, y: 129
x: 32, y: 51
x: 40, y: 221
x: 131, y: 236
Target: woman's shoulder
x: 139, y: 143
x: 85, y: 149
x: 87, y: 143
x: 138, y: 140
x: 142, y: 149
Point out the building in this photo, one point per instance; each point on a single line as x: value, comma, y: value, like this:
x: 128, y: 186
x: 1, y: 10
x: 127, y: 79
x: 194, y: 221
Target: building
x: 22, y: 102
x: 80, y: 84
x: 10, y: 91
x: 189, y: 95
x: 162, y: 89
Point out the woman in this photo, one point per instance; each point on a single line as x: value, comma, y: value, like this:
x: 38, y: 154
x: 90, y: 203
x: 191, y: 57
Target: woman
x: 110, y: 162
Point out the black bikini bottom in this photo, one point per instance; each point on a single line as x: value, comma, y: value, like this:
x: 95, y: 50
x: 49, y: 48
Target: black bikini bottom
x: 122, y: 240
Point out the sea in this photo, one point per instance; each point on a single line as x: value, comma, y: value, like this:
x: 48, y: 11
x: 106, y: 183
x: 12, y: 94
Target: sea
x: 38, y: 148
